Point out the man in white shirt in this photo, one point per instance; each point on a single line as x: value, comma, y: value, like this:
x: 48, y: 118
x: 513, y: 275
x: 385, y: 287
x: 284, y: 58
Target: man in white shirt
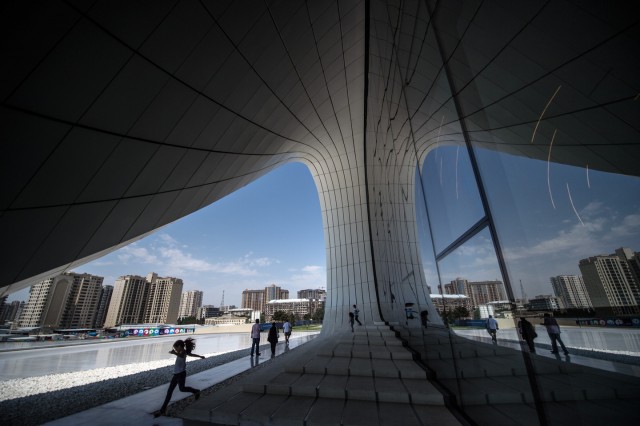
x: 286, y: 327
x: 255, y: 337
x: 492, y: 328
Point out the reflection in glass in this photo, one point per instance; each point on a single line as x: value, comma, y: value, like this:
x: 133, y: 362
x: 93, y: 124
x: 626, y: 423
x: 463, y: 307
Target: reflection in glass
x: 472, y: 287
x: 453, y: 201
x: 570, y: 235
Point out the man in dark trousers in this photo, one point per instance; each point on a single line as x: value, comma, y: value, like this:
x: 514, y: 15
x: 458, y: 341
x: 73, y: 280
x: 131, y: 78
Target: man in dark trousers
x: 255, y: 337
x: 553, y: 330
x: 356, y: 313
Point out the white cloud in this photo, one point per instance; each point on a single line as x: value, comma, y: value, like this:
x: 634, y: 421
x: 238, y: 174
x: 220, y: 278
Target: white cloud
x: 168, y: 257
x: 134, y: 253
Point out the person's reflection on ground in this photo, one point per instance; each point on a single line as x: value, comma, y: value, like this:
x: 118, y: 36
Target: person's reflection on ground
x: 255, y: 361
x: 557, y: 356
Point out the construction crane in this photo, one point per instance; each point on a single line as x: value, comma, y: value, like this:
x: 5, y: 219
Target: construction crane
x: 523, y: 294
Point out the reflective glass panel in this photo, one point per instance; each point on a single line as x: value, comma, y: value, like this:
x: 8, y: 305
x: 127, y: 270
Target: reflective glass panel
x: 453, y: 201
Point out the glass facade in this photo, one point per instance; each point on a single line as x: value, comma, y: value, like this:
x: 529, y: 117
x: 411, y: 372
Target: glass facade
x: 568, y: 242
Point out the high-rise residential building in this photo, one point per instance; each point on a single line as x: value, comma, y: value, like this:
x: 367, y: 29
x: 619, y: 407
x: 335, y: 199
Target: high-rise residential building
x: 149, y: 299
x: 190, y: 302
x: 274, y: 292
x: 316, y: 294
x: 252, y: 299
x: 257, y: 299
x: 612, y: 281
x: 67, y: 300
x: 163, y: 301
x: 479, y: 292
x: 9, y: 312
x: 570, y: 291
x: 127, y: 301
x: 103, y: 305
x: 83, y: 303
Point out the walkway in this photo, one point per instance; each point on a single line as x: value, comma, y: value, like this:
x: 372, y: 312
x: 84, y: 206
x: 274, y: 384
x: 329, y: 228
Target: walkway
x: 370, y: 377
x: 138, y: 409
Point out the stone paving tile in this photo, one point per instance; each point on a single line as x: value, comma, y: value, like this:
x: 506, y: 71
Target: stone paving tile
x: 260, y: 411
x: 436, y: 416
x: 391, y: 390
x: 361, y: 388
x: 409, y: 369
x: 423, y: 392
x: 292, y: 412
x: 228, y: 413
x: 360, y: 367
x: 325, y: 412
x: 333, y: 387
x: 393, y: 414
x: 384, y: 368
x: 359, y: 413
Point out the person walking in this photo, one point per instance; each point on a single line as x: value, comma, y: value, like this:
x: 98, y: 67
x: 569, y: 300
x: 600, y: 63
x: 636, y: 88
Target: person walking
x: 286, y: 328
x: 492, y: 328
x: 351, y: 317
x: 356, y: 314
x: 424, y: 318
x: 528, y: 333
x: 181, y: 349
x: 272, y: 338
x: 553, y: 330
x: 255, y: 337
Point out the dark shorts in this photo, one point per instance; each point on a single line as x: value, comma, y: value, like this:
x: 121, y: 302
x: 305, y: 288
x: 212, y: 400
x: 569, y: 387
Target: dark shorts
x: 287, y: 334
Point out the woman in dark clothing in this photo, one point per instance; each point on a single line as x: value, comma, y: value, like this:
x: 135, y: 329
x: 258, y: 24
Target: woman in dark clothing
x: 181, y: 349
x: 272, y: 337
x: 528, y: 333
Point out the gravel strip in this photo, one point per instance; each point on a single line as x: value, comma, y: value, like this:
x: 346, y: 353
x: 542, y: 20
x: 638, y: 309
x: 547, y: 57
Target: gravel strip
x: 37, y: 400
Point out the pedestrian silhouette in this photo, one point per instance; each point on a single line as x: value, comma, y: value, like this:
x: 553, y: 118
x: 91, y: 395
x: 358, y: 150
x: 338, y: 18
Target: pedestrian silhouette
x: 286, y: 328
x: 255, y: 337
x: 492, y: 328
x: 528, y: 333
x: 356, y: 314
x: 351, y: 317
x: 553, y: 330
x: 181, y: 349
x: 272, y: 338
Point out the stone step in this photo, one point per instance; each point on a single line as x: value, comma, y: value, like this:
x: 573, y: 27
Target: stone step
x: 360, y: 367
x: 552, y: 388
x: 381, y: 389
x: 253, y: 408
x: 354, y: 351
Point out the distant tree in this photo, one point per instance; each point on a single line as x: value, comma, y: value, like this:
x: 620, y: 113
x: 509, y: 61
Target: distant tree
x: 187, y: 320
x: 318, y: 315
x: 306, y: 317
x: 280, y: 316
x: 460, y: 312
x: 262, y: 319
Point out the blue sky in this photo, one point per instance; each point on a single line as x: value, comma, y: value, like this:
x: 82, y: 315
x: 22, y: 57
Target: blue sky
x: 269, y: 232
